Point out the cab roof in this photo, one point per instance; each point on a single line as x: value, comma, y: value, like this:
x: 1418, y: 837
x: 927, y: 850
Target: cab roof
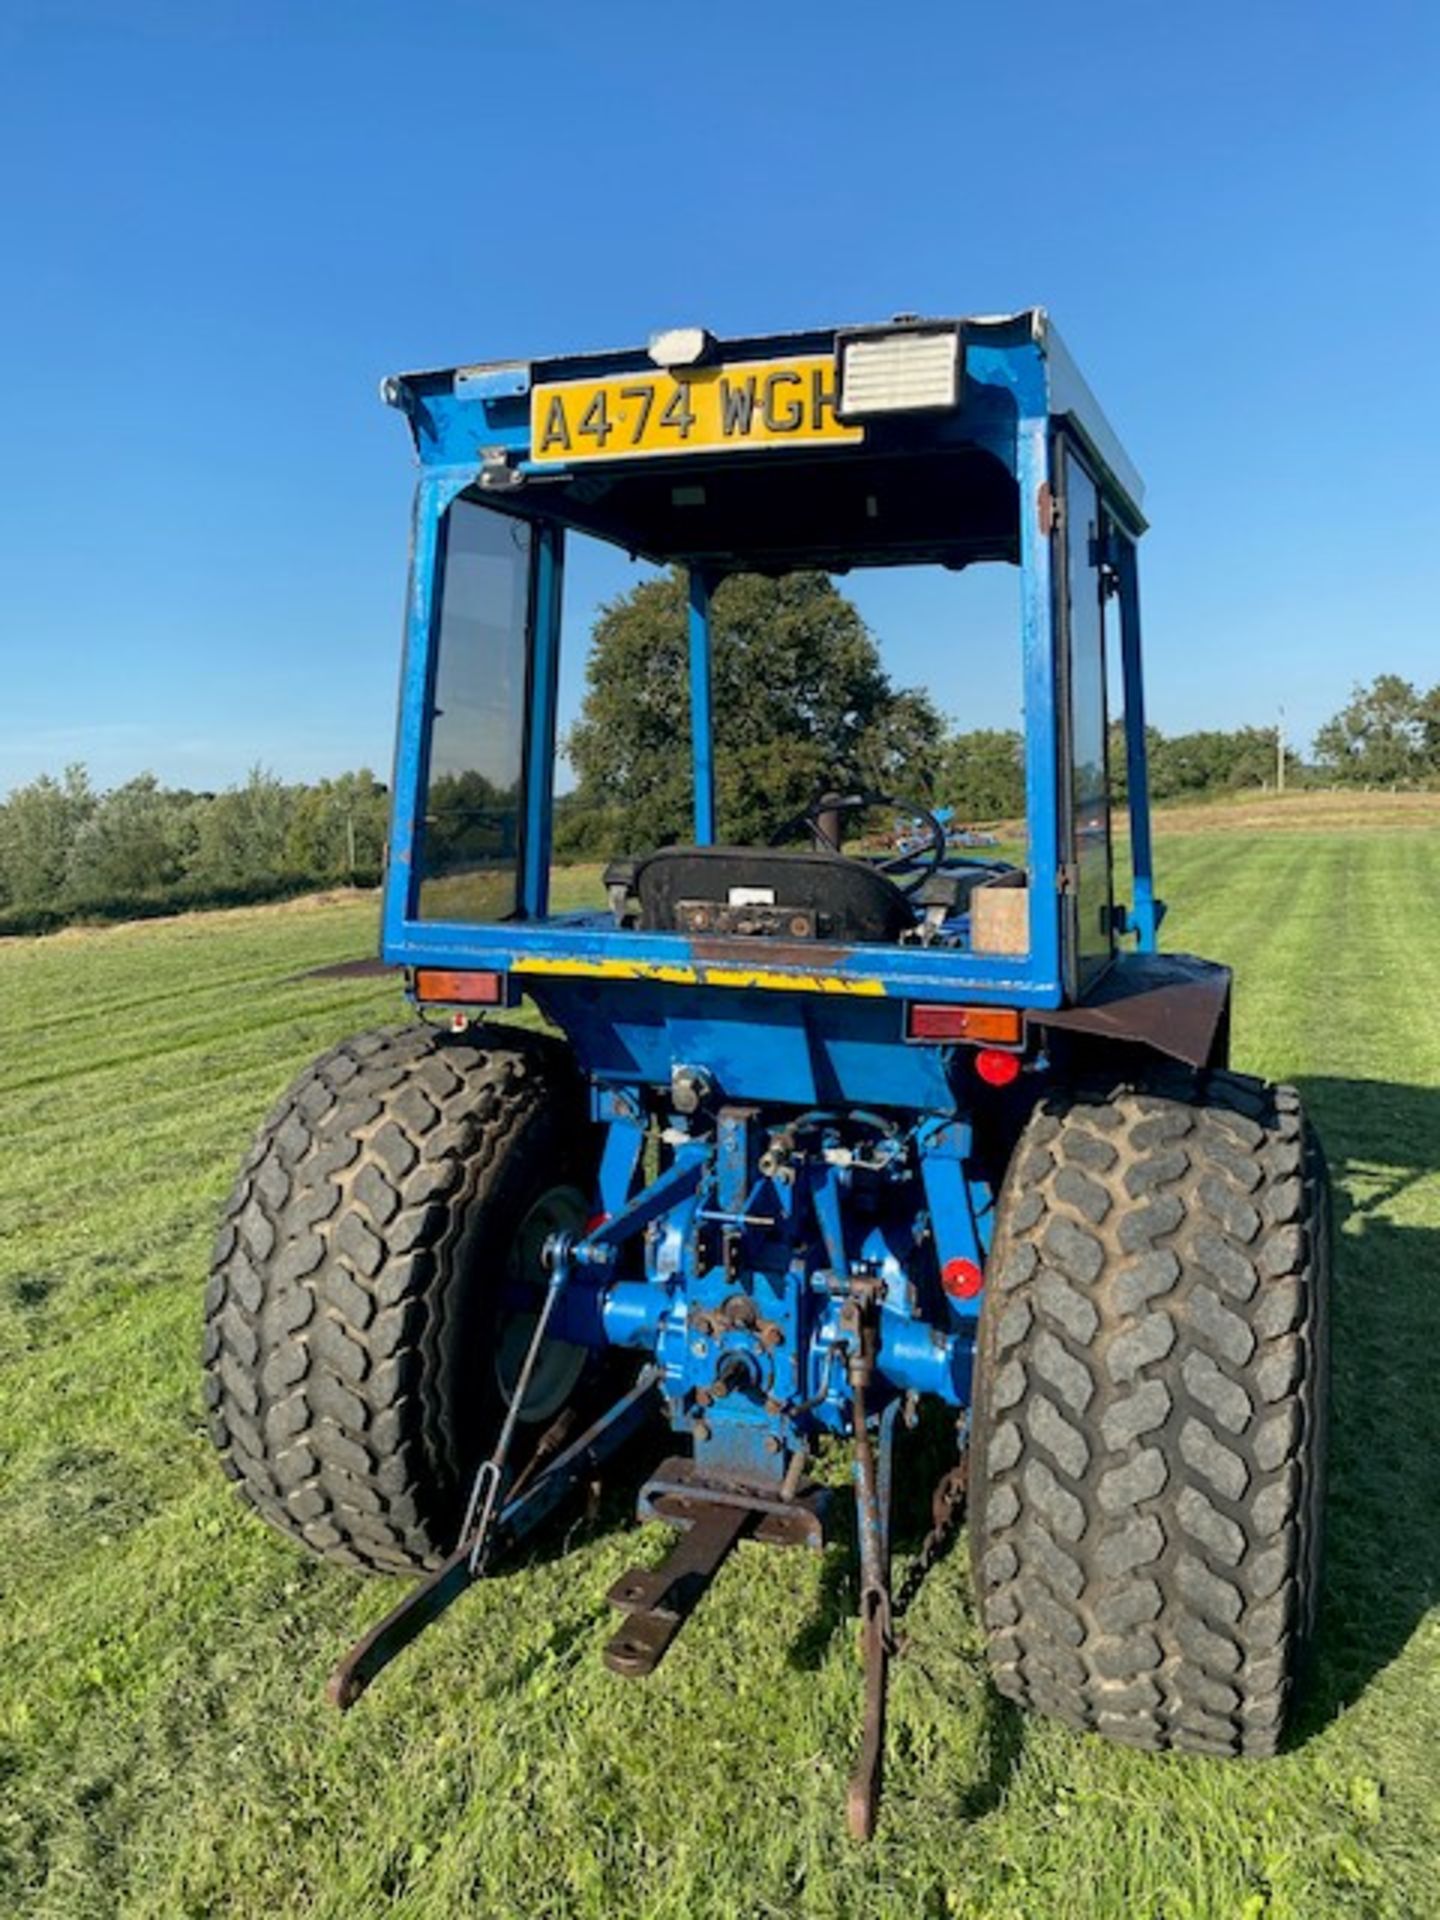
x: 811, y: 506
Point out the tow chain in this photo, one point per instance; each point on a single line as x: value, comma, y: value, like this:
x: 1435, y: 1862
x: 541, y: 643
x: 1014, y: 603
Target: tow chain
x: 947, y: 1509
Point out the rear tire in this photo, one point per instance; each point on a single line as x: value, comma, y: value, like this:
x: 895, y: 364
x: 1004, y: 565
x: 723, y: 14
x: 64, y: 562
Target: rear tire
x: 357, y: 1349
x: 1150, y: 1412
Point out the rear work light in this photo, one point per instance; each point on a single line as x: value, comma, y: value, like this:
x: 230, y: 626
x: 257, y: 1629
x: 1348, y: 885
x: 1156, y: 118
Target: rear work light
x: 990, y: 1026
x: 459, y: 989
x: 905, y: 369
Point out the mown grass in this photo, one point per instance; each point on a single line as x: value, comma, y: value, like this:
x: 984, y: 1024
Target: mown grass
x: 164, y: 1749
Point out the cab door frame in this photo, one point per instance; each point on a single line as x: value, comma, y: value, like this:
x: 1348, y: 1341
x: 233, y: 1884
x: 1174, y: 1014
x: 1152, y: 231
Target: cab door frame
x: 1080, y: 549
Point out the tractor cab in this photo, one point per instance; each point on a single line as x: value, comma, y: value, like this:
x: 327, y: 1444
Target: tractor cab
x: 865, y: 1114
x: 951, y: 444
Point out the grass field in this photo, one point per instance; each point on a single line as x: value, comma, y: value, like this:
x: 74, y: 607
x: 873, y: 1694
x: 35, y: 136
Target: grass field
x: 164, y: 1749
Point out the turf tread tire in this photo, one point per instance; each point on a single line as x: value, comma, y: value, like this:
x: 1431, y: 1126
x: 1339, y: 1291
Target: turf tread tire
x: 340, y: 1317
x: 1150, y: 1411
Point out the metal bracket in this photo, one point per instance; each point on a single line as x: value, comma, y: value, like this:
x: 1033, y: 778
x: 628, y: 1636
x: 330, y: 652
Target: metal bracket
x: 781, y: 1520
x: 660, y: 1602
x: 713, y: 1517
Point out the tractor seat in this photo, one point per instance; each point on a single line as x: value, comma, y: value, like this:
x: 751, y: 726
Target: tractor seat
x: 788, y: 894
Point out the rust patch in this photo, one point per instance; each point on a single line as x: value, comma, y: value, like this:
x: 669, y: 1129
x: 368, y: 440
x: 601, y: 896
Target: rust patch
x: 1172, y: 1002
x: 1045, y: 507
x: 738, y: 951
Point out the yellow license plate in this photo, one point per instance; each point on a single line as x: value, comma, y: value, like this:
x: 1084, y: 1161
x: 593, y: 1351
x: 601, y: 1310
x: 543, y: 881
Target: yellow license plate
x: 755, y: 403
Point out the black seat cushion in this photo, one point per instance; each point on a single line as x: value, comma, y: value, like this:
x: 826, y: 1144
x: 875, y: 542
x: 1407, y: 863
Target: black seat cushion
x: 749, y: 889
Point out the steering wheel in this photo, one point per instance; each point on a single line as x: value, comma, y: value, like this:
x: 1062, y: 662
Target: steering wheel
x: 919, y: 861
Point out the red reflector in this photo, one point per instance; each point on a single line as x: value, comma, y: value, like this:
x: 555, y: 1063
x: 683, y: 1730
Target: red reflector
x: 595, y: 1222
x: 466, y: 989
x: 997, y: 1069
x: 998, y: 1024
x: 961, y: 1279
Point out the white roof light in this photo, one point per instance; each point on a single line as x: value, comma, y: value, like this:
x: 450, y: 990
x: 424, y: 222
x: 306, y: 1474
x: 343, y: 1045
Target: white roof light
x: 907, y: 370
x: 680, y: 346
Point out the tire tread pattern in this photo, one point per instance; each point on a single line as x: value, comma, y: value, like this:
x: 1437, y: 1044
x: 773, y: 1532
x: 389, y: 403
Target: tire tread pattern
x: 336, y: 1271
x: 1150, y: 1411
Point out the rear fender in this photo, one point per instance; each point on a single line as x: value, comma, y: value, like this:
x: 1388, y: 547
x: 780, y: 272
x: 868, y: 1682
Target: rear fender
x: 1167, y: 1005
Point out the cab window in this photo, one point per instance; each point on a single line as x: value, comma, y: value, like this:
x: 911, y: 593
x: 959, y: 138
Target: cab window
x: 470, y: 846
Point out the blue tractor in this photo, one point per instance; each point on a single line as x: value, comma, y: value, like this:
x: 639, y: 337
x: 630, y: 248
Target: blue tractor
x: 813, y: 1140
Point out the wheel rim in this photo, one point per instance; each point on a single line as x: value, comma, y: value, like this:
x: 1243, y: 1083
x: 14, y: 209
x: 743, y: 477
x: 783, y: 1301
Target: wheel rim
x: 559, y: 1364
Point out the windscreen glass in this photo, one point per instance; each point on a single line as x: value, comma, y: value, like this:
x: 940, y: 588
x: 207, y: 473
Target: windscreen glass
x: 818, y: 686
x: 470, y: 847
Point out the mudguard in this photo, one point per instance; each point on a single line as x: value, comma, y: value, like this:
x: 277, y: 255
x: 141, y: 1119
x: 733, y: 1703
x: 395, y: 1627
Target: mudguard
x: 1173, y: 1003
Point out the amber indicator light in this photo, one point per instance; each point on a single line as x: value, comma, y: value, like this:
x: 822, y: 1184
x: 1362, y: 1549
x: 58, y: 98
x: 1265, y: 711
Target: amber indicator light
x: 459, y: 989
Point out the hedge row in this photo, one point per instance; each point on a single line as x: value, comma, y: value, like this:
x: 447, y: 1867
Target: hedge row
x: 185, y: 897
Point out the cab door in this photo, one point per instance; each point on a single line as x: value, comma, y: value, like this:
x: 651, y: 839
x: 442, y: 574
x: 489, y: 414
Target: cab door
x: 1085, y: 783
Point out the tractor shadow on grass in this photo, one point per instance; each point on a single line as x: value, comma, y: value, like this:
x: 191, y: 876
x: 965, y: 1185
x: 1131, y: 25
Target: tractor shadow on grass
x: 1382, y: 1548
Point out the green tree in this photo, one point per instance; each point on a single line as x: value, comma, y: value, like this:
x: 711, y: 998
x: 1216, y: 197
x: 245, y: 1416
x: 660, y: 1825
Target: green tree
x: 584, y: 830
x: 39, y: 824
x: 800, y: 700
x: 1429, y: 716
x: 1214, y: 761
x: 242, y: 833
x: 136, y: 841
x: 1248, y: 757
x: 337, y: 828
x: 1119, y: 766
x: 982, y: 774
x: 1192, y: 764
x: 1383, y: 736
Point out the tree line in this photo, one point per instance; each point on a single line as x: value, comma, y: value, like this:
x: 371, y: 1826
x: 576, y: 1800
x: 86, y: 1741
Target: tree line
x: 68, y: 852
x: 801, y: 702
x: 1387, y: 735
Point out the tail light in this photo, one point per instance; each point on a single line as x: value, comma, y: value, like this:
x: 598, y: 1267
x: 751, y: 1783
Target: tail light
x: 993, y: 1026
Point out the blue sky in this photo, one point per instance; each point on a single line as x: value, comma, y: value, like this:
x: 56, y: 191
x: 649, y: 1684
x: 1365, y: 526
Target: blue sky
x: 220, y: 223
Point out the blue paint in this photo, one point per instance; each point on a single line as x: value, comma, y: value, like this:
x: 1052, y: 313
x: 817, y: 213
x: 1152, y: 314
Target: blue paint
x: 624, y: 1146
x: 492, y: 383
x: 959, y: 1201
x: 702, y: 717
x: 801, y: 1223
x: 806, y: 1049
x: 1007, y: 413
x: 436, y: 490
x: 1043, y: 811
x: 1146, y: 912
x: 734, y: 1268
x: 925, y: 973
